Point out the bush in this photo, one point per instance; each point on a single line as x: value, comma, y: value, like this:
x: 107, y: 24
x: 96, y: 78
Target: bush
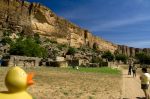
x: 108, y: 56
x: 71, y: 51
x: 121, y: 57
x: 6, y: 40
x: 61, y: 46
x: 27, y: 47
x: 143, y: 58
x: 37, y: 38
x: 7, y: 33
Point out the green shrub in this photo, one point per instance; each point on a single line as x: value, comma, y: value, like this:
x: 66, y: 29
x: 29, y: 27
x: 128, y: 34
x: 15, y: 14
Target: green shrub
x: 108, y: 56
x: 61, y: 46
x: 27, y: 47
x: 143, y: 58
x: 7, y: 33
x: 121, y: 57
x: 6, y: 40
x: 37, y: 38
x: 71, y: 51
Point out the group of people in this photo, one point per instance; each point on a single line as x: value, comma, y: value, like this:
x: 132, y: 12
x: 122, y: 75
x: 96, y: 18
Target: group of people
x: 144, y: 77
x: 132, y: 68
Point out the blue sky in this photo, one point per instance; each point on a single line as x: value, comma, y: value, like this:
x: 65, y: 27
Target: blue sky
x: 119, y: 21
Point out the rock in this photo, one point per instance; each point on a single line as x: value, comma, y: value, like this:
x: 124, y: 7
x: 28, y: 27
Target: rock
x: 29, y: 18
x: 131, y: 51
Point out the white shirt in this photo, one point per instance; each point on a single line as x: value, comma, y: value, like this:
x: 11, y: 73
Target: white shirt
x: 145, y: 78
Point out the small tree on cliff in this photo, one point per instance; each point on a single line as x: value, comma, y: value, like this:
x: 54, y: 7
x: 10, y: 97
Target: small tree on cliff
x: 71, y: 51
x: 108, y: 56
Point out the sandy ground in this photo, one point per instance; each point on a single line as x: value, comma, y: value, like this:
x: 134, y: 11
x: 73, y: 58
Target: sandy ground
x: 131, y: 87
x: 59, y: 84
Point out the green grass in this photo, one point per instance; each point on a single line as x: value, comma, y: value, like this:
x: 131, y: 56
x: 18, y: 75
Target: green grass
x: 104, y: 70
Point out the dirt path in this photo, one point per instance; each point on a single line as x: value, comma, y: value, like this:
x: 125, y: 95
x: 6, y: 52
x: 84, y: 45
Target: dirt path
x: 131, y: 87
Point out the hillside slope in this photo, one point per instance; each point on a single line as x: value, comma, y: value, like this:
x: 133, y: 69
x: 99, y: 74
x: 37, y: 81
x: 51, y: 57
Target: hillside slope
x: 29, y: 18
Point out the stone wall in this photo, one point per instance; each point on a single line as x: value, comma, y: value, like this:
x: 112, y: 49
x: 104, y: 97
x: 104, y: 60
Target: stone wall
x: 23, y: 61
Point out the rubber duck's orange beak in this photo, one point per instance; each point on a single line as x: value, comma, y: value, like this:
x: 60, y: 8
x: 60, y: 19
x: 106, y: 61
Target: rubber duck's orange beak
x: 29, y: 79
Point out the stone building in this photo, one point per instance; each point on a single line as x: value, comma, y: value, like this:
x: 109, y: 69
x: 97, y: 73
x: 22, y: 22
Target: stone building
x: 59, y: 62
x: 22, y: 61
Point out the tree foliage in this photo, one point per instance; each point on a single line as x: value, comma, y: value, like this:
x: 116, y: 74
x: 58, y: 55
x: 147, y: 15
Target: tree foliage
x: 37, y: 38
x: 27, y: 47
x: 143, y: 58
x: 6, y: 40
x: 121, y: 57
x: 71, y: 51
x: 108, y: 56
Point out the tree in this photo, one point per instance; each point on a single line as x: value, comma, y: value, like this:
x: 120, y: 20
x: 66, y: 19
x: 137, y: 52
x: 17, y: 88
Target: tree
x: 143, y: 58
x: 121, y: 57
x: 27, y: 47
x: 108, y: 56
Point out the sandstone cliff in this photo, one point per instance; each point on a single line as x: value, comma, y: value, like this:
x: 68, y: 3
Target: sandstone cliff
x: 23, y: 17
x: 131, y: 51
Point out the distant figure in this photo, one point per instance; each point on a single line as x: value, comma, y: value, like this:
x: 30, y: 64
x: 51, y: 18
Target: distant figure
x: 130, y: 67
x: 145, y: 78
x: 134, y: 68
x: 129, y: 70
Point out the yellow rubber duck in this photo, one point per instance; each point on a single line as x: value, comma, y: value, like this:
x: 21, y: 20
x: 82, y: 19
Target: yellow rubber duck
x: 17, y: 82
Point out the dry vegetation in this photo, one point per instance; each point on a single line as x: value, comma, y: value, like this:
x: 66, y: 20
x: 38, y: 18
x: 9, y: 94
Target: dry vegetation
x: 56, y: 83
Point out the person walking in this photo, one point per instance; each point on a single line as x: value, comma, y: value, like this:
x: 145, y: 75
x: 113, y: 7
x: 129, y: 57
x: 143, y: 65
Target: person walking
x: 129, y: 69
x: 145, y: 78
x: 134, y: 68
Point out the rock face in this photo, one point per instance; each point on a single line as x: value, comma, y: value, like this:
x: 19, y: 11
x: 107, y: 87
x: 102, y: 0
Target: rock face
x: 19, y: 16
x: 131, y: 51
x: 14, y: 16
x: 23, y: 17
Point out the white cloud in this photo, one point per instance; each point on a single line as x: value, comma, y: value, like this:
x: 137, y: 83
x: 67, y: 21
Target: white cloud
x: 120, y: 22
x: 139, y: 44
